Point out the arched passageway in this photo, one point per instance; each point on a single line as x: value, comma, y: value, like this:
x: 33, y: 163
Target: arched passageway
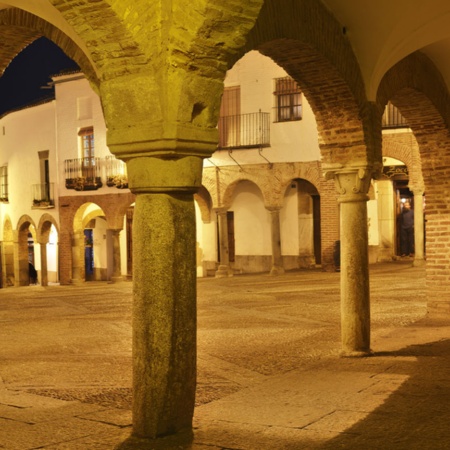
x: 161, y: 105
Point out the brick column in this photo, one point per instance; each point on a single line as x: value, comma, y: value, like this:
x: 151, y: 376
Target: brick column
x: 352, y: 185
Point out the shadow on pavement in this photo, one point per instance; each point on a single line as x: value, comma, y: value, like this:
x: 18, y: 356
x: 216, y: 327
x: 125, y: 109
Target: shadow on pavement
x: 415, y: 416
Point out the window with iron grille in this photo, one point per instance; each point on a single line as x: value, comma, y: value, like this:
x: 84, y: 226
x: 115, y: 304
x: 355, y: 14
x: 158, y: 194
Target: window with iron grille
x: 288, y: 100
x: 4, y: 184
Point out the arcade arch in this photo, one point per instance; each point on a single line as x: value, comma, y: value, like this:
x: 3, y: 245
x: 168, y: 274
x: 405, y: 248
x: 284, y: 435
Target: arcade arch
x: 164, y: 133
x: 24, y: 251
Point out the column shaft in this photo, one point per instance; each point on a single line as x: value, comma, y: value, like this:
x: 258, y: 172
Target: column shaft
x: 224, y: 269
x: 419, y: 253
x: 277, y: 258
x: 353, y: 185
x: 116, y: 269
x: 164, y: 314
x: 44, y: 272
x: 78, y: 269
x: 355, y: 292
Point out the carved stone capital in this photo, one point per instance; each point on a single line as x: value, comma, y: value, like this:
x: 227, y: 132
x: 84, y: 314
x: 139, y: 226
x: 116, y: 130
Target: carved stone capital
x: 352, y: 183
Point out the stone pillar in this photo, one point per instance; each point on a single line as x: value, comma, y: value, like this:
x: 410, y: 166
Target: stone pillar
x: 277, y: 258
x: 78, y: 274
x: 419, y: 254
x: 353, y: 185
x: 21, y: 271
x: 44, y: 273
x: 224, y: 269
x: 164, y: 291
x: 116, y: 267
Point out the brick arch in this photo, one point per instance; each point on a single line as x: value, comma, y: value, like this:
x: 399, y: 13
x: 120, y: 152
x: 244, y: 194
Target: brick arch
x: 8, y: 253
x: 44, y: 226
x: 20, y: 28
x: 398, y: 150
x: 81, y: 219
x: 24, y: 222
x: 204, y: 202
x: 309, y: 172
x: 416, y: 72
x: 309, y: 43
x: 404, y: 148
x: 7, y: 229
x: 416, y: 88
x: 25, y: 225
x: 231, y: 188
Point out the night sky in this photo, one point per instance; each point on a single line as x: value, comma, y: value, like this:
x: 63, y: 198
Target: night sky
x: 21, y: 82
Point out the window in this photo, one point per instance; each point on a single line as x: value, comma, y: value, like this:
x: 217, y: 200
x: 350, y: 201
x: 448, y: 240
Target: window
x: 87, y: 151
x: 4, y: 183
x: 230, y: 117
x: 87, y: 142
x: 288, y: 100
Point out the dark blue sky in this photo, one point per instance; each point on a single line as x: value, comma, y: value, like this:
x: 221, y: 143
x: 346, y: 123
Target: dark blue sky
x: 21, y: 82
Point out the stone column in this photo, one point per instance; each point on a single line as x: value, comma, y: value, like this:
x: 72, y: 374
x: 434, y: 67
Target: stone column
x: 78, y: 274
x: 419, y: 254
x: 44, y: 272
x: 353, y: 185
x: 224, y: 269
x: 21, y: 271
x: 116, y: 269
x: 164, y: 288
x: 277, y: 258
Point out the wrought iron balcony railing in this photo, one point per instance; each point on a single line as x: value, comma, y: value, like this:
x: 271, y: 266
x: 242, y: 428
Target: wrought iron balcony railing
x: 392, y: 118
x: 83, y: 174
x: 86, y: 174
x: 116, y: 172
x: 43, y: 195
x: 244, y: 131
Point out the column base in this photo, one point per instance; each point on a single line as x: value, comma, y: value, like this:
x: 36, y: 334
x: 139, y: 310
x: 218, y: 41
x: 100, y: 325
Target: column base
x: 182, y: 439
x: 355, y: 353
x: 276, y: 270
x: 223, y: 272
x: 115, y: 280
x: 419, y: 262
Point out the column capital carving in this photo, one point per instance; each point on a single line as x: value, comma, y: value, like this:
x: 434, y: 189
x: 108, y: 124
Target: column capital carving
x: 221, y: 210
x: 417, y: 190
x: 274, y: 208
x: 352, y: 183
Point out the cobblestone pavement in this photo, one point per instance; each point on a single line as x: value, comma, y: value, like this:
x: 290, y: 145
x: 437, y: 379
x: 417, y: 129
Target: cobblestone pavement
x: 72, y: 346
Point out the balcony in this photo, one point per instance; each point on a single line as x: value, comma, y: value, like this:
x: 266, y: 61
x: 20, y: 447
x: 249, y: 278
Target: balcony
x: 43, y: 196
x: 116, y: 173
x: 244, y: 131
x: 87, y: 174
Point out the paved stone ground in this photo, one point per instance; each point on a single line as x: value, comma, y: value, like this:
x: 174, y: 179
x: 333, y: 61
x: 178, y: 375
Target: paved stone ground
x: 269, y: 371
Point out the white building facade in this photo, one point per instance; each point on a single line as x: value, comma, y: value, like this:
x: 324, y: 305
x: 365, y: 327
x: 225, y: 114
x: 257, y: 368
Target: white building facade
x: 265, y: 204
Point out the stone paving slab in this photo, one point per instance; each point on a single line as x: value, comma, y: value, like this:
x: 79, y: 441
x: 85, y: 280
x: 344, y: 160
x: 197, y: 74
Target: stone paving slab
x: 270, y: 376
